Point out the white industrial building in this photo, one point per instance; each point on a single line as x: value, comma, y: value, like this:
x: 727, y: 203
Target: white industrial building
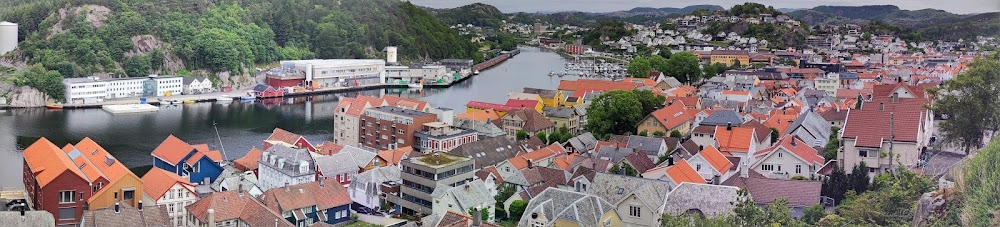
x: 93, y: 89
x: 338, y: 72
x: 8, y: 37
x: 165, y: 86
x: 415, y: 73
x: 85, y: 90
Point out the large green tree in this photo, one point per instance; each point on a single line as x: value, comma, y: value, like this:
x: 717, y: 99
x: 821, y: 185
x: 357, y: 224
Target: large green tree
x: 685, y: 66
x: 971, y: 102
x: 639, y: 67
x: 46, y: 81
x: 619, y: 111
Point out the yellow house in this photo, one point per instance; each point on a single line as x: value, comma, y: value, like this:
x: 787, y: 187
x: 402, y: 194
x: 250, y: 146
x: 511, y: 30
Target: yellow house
x: 113, y: 181
x: 727, y: 57
x: 551, y: 98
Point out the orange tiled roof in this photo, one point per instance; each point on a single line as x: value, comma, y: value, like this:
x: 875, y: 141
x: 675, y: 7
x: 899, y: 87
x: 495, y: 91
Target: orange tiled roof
x: 284, y: 136
x: 406, y: 103
x: 800, y: 149
x: 545, y: 152
x: 581, y: 86
x: 47, y: 162
x: 395, y: 155
x: 480, y: 115
x: 737, y: 139
x: 716, y: 159
x: 673, y: 115
x: 157, y: 182
x: 103, y: 160
x: 329, y: 148
x: 172, y: 150
x: 249, y: 161
x: 781, y: 121
x: 214, y: 155
x: 682, y: 172
x: 90, y: 171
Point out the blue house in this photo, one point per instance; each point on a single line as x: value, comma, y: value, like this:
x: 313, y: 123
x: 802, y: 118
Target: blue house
x: 195, y: 162
x: 307, y: 203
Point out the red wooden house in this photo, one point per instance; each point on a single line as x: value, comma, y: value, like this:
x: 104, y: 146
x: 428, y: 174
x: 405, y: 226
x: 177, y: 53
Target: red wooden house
x: 54, y: 184
x: 264, y: 91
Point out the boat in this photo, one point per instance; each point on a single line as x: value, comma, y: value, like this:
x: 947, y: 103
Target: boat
x: 224, y: 98
x: 415, y: 85
x: 552, y: 73
x: 188, y: 101
x: 475, y: 72
x: 248, y: 96
x: 54, y: 106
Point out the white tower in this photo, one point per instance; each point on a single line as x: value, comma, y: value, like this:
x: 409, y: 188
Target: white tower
x: 390, y: 54
x: 8, y: 37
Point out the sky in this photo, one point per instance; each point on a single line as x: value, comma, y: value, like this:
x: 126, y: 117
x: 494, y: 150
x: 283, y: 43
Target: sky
x: 508, y: 6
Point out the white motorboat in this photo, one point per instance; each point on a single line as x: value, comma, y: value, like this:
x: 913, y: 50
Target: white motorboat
x: 224, y: 98
x: 415, y: 85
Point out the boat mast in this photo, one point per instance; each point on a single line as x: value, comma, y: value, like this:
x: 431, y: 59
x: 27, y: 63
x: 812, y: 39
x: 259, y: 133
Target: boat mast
x: 223, y: 147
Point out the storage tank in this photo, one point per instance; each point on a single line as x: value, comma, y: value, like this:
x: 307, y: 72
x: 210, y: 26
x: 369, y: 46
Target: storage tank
x: 390, y: 54
x: 8, y: 37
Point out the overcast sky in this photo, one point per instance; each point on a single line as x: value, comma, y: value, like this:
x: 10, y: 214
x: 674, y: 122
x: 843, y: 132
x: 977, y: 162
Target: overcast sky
x: 507, y: 6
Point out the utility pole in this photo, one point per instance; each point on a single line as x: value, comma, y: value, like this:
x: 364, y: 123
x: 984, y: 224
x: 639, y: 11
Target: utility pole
x: 892, y: 137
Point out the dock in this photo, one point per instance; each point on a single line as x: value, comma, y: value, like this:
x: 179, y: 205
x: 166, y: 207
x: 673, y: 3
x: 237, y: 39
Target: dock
x: 130, y: 108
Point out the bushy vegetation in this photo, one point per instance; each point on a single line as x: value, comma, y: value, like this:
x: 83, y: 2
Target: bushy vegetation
x: 610, y: 30
x: 619, y: 112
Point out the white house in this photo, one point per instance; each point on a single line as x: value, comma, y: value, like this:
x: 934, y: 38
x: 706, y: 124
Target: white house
x: 712, y: 165
x: 196, y: 85
x: 281, y: 165
x: 463, y: 198
x: 789, y: 157
x: 365, y: 188
x: 171, y: 191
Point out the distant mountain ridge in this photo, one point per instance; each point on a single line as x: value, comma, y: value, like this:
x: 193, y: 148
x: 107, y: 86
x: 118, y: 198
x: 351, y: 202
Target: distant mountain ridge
x: 663, y: 11
x: 924, y: 24
x: 822, y: 14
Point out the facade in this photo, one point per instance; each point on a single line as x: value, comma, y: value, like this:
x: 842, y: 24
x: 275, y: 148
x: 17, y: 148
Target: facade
x: 170, y: 191
x: 667, y: 119
x: 866, y: 134
x: 790, y: 157
x: 438, y: 136
x: 474, y: 195
x: 422, y: 175
x: 157, y: 86
x: 322, y: 73
x: 85, y: 90
x: 311, y: 202
x: 280, y: 165
x: 528, y: 120
x: 563, y: 117
x: 390, y: 127
x: 195, y: 162
x: 369, y: 188
x: 727, y: 57
x: 197, y: 85
x: 343, y: 165
x: 457, y: 65
x: 123, y: 215
x: 93, y: 89
x: 265, y: 91
x: 417, y: 74
x: 712, y: 166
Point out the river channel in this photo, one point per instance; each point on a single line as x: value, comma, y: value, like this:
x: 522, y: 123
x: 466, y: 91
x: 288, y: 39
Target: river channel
x: 241, y: 126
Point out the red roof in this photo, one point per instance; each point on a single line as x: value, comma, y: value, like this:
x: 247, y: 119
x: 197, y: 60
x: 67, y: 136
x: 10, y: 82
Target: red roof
x: 588, y: 85
x: 862, y: 123
x: 683, y: 172
x: 395, y: 155
x: 800, y: 149
x: 716, y: 159
x: 157, y: 182
x: 522, y: 103
x: 674, y: 115
x: 486, y: 105
x: 736, y: 140
x: 103, y: 160
x: 249, y: 161
x: 287, y: 137
x: 172, y: 150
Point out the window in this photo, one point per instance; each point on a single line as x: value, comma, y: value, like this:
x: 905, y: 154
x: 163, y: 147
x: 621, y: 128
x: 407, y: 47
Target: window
x: 67, y: 196
x: 872, y: 170
x: 779, y: 167
x: 780, y: 155
x: 170, y: 208
x: 798, y: 168
x: 863, y: 153
x: 767, y: 167
x: 634, y: 211
x: 68, y: 213
x: 128, y: 194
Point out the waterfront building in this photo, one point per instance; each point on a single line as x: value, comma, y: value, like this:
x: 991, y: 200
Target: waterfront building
x: 417, y: 74
x: 457, y: 65
x: 124, y: 215
x: 169, y: 191
x: 66, y: 181
x: 438, y: 136
x: 195, y: 162
x: 281, y: 165
x: 157, y: 86
x: 94, y: 89
x: 196, y: 85
x: 390, y: 127
x: 311, y: 202
x: 422, y: 175
x: 289, y: 139
x: 347, y: 116
x: 329, y: 73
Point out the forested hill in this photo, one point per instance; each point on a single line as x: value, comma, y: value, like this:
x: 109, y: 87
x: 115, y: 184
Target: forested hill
x: 138, y: 37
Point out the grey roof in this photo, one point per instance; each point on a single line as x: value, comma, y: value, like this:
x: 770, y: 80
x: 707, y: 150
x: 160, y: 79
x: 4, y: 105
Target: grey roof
x: 616, y: 188
x: 350, y: 159
x: 671, y: 81
x: 723, y: 117
x: 377, y: 175
x: 260, y: 88
x: 398, y: 111
x: 614, y: 154
x: 544, y: 93
x: 582, y: 108
x: 561, y: 112
x: 150, y: 216
x: 813, y: 123
x: 560, y: 204
x: 31, y: 219
x: 232, y: 176
x: 486, y: 129
x: 489, y: 151
x: 469, y: 195
x: 711, y: 200
x: 292, y: 159
x: 583, y: 142
x: 645, y: 144
x: 725, y: 104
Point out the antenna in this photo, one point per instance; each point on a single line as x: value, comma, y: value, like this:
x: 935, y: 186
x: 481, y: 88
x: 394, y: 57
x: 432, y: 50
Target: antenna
x: 223, y: 147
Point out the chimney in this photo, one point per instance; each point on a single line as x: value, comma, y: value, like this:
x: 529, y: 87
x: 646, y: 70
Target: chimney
x: 793, y: 141
x: 24, y: 206
x: 716, y: 180
x: 701, y: 148
x: 211, y: 217
x: 206, y: 181
x: 729, y: 126
x: 322, y: 182
x: 286, y: 186
x: 670, y: 161
x: 140, y: 206
x: 476, y: 220
x: 744, y: 169
x: 118, y: 208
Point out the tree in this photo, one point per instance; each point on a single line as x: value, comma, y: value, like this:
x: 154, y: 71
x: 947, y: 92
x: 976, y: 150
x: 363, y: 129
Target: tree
x: 676, y: 134
x: 137, y: 66
x: 774, y: 135
x: 684, y: 66
x: 835, y: 185
x: 747, y: 213
x: 644, y: 133
x: 639, y: 67
x: 483, y: 214
x: 541, y: 136
x: 628, y: 170
x: 46, y: 81
x: 504, y: 192
x: 521, y: 135
x: 833, y: 145
x: 662, y: 158
x: 858, y: 179
x: 813, y: 213
x: 517, y: 209
x: 980, y: 194
x: 971, y: 102
x: 614, y: 112
x: 890, y: 201
x: 658, y: 63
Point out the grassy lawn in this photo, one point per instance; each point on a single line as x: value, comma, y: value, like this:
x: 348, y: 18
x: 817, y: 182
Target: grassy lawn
x: 361, y: 224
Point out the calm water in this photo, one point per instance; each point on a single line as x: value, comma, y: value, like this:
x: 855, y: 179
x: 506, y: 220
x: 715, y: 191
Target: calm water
x: 131, y: 138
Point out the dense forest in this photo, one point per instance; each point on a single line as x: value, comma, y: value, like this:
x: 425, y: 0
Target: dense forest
x: 136, y: 37
x: 916, y: 25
